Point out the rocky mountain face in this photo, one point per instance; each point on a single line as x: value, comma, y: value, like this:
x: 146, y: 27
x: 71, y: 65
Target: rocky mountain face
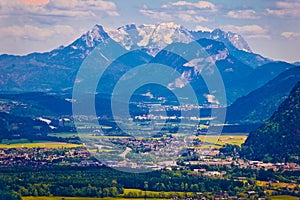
x: 55, y: 71
x: 51, y: 71
x: 155, y: 37
x: 278, y: 139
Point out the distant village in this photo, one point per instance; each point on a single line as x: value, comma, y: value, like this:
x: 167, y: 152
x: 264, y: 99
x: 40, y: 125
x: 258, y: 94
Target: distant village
x: 80, y: 156
x: 39, y: 157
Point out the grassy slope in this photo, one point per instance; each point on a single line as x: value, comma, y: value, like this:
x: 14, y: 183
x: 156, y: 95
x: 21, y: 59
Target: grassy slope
x: 79, y: 198
x: 50, y: 145
x: 284, y: 197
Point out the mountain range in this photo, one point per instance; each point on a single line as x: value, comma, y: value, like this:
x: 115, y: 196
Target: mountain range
x: 255, y: 85
x: 55, y: 71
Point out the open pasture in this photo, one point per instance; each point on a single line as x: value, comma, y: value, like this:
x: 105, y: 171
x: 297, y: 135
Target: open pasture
x: 40, y: 144
x: 216, y: 141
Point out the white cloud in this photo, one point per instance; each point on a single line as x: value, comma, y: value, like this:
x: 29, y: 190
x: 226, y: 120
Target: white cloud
x: 249, y: 31
x: 243, y: 14
x: 291, y: 35
x: 70, y: 8
x: 36, y: 33
x: 211, y: 99
x: 88, y: 5
x: 192, y: 18
x: 181, y: 10
x: 156, y: 14
x: 34, y: 2
x: 203, y: 5
x: 285, y: 9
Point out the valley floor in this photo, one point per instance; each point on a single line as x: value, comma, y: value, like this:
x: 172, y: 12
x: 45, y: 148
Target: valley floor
x: 280, y: 197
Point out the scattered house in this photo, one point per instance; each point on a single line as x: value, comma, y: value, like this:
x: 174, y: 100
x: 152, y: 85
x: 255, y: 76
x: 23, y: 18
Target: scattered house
x: 212, y: 173
x: 251, y: 192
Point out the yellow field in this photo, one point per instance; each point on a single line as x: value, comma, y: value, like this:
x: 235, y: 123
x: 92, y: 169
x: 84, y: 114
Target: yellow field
x: 80, y: 198
x: 284, y: 197
x: 277, y: 185
x: 261, y: 183
x: 60, y: 198
x: 219, y: 141
x: 155, y: 193
x: 49, y: 145
x: 284, y: 185
x: 213, y: 141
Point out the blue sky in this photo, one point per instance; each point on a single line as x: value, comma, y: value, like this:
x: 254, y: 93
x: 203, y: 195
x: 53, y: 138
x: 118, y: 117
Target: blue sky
x: 271, y: 27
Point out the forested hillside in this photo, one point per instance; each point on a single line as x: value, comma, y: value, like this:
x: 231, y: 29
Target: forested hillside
x: 278, y: 139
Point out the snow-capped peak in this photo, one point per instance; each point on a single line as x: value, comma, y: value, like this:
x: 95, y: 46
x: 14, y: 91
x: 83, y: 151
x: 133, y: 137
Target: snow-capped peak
x: 170, y: 25
x: 152, y: 36
x: 155, y: 37
x: 128, y: 27
x: 125, y: 35
x: 238, y: 41
x: 97, y: 34
x: 163, y: 34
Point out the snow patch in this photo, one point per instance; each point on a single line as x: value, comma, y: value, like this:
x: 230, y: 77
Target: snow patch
x: 48, y: 121
x: 148, y: 94
x: 211, y: 99
x: 180, y: 82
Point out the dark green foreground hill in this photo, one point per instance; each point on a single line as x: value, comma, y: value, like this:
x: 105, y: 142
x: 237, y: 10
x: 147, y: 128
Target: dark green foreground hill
x: 278, y: 139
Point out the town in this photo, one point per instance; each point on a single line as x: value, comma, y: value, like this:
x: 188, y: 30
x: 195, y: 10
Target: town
x: 80, y: 156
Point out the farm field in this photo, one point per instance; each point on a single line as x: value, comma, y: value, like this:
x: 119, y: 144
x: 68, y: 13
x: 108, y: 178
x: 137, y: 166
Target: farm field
x: 140, y: 193
x: 40, y: 144
x: 277, y: 185
x: 219, y: 141
x: 65, y: 198
x: 284, y: 197
x: 211, y: 141
x: 81, y: 198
